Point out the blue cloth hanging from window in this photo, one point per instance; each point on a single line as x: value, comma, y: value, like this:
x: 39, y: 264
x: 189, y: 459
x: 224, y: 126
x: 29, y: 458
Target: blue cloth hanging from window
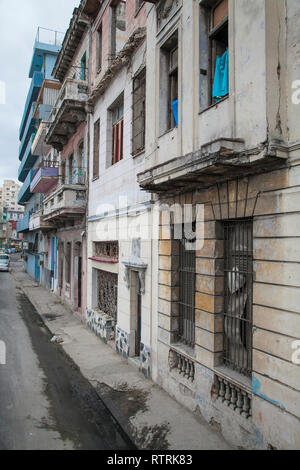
x: 221, y: 85
x: 175, y: 111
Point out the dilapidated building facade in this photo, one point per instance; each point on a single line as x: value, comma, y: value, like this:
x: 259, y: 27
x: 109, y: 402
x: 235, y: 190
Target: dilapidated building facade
x: 65, y: 202
x: 222, y: 159
x: 119, y: 252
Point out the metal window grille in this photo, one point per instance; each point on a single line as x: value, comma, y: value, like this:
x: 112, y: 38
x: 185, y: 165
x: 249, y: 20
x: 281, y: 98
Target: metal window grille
x: 108, y: 293
x: 108, y: 250
x: 138, y: 110
x: 238, y: 240
x: 187, y: 281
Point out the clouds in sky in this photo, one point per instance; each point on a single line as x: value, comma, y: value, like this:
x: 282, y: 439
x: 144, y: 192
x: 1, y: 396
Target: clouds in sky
x: 19, y: 21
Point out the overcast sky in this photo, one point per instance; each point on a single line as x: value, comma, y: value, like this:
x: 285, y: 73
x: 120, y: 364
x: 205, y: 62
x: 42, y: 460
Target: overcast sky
x: 19, y: 21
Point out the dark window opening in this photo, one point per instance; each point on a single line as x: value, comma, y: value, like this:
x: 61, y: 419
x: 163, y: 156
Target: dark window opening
x: 238, y: 271
x: 70, y: 169
x: 214, y: 53
x: 173, y: 88
x: 169, y: 84
x: 118, y: 27
x: 96, y: 150
x: 83, y: 67
x: 219, y: 51
x: 139, y: 112
x: 99, y: 48
x: 68, y: 263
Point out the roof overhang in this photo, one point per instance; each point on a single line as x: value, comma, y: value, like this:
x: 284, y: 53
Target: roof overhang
x: 73, y: 36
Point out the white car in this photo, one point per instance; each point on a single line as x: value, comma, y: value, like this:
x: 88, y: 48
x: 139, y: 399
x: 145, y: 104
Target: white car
x: 4, y: 262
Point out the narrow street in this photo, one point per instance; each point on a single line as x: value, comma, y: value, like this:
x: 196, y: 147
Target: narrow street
x: 45, y: 403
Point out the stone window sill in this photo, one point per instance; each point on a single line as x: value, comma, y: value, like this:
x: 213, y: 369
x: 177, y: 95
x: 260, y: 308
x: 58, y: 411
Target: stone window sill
x: 236, y: 377
x: 184, y: 350
x: 213, y: 105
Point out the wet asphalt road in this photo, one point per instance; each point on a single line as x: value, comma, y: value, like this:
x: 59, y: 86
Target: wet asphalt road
x: 45, y: 402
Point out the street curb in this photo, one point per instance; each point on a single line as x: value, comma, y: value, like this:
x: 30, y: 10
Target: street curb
x: 118, y: 417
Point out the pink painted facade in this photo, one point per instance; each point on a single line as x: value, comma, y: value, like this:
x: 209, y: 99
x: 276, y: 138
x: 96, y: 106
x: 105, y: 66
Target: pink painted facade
x: 65, y: 202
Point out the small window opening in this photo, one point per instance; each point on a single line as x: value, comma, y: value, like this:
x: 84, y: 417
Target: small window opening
x: 117, y: 113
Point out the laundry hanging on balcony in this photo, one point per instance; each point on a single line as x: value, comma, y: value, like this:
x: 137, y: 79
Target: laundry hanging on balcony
x: 175, y: 111
x: 221, y: 85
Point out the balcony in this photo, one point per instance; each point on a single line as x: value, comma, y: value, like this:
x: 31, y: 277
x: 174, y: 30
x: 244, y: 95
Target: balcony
x: 23, y: 224
x: 37, y: 222
x: 69, y: 112
x: 45, y: 177
x: 33, y: 92
x: 68, y: 200
x: 30, y: 128
x: 38, y: 145
x: 27, y: 161
x: 47, y: 42
x: 215, y: 162
x: 25, y: 193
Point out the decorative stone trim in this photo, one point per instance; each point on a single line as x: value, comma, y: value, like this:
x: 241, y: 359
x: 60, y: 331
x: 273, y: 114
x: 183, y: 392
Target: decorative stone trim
x: 121, y: 60
x: 135, y: 264
x: 122, y: 342
x: 233, y: 396
x: 145, y: 358
x: 182, y: 365
x: 101, y: 324
x: 132, y: 265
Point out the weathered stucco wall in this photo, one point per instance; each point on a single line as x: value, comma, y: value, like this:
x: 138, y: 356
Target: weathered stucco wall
x: 264, y: 61
x: 275, y: 378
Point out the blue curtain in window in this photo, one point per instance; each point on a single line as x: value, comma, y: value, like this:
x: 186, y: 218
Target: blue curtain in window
x: 221, y: 85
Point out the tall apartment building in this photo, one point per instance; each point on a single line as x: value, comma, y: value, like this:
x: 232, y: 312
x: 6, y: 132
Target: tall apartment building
x: 222, y: 155
x: 9, y: 196
x: 10, y: 211
x: 41, y: 96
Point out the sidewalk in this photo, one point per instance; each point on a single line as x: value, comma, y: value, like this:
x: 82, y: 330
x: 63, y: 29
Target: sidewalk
x: 146, y: 413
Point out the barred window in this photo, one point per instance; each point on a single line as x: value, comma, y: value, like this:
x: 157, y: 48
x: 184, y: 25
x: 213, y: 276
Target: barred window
x: 138, y: 111
x: 238, y: 240
x: 187, y: 287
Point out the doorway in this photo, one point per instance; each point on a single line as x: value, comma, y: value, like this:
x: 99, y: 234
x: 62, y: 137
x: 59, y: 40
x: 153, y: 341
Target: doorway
x: 136, y: 311
x: 79, y: 281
